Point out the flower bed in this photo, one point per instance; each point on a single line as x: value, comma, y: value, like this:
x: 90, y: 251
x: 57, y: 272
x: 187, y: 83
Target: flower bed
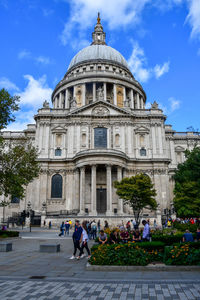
x: 141, y: 254
x: 183, y: 254
x: 130, y: 254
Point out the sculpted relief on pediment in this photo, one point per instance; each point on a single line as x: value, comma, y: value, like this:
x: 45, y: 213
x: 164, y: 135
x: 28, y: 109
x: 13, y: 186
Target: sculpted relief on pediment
x: 100, y: 110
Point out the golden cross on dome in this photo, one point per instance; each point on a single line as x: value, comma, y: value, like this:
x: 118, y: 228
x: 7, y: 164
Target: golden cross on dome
x: 98, y: 18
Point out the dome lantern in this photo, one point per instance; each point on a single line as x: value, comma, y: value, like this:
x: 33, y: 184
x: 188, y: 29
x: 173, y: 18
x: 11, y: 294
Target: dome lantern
x: 98, y: 35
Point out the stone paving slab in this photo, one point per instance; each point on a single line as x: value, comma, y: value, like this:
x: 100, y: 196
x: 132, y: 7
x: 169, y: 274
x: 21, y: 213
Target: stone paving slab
x: 104, y: 290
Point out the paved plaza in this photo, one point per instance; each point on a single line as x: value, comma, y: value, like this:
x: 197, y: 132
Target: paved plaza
x: 27, y: 274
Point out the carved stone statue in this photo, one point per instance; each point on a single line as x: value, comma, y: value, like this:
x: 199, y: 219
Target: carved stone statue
x: 73, y: 102
x: 127, y: 102
x: 154, y: 105
x: 45, y: 104
x: 100, y: 94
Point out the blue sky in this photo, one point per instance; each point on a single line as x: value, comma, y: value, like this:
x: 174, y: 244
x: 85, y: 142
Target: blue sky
x: 160, y: 39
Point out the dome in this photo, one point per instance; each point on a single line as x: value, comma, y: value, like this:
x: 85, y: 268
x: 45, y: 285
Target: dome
x: 98, y: 52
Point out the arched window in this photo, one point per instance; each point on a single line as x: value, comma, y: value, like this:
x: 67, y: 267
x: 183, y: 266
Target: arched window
x: 143, y: 152
x: 100, y: 137
x: 56, y: 186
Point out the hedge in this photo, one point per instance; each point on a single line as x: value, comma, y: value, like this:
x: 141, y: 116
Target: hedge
x: 6, y: 233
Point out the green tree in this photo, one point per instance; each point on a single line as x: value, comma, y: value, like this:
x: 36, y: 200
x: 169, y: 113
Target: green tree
x: 138, y: 192
x: 8, y: 105
x: 187, y: 185
x: 18, y: 160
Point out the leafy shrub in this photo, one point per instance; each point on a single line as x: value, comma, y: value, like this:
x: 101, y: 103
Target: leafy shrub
x: 182, y: 254
x: 183, y: 227
x: 127, y: 254
x: 121, y: 255
x: 195, y: 245
x: 6, y: 233
x: 167, y: 239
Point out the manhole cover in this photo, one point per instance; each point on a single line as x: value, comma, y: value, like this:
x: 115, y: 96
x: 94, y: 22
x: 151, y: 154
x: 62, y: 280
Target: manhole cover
x: 37, y: 277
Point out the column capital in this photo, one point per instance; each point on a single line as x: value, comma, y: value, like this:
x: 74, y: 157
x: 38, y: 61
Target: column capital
x: 82, y: 169
x: 108, y: 165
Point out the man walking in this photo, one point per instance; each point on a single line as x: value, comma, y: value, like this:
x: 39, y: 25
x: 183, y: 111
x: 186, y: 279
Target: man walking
x: 77, y: 238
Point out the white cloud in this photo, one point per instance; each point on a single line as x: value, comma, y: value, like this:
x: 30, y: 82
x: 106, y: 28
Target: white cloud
x: 160, y: 70
x: 193, y: 17
x: 174, y: 104
x: 31, y: 98
x: 35, y: 92
x: 25, y: 54
x: 43, y: 60
x: 138, y: 65
x: 47, y: 12
x: 7, y: 84
x: 23, y: 118
x: 116, y: 13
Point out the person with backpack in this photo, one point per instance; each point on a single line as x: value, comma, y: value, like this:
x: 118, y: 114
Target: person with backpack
x: 77, y: 238
x: 67, y: 226
x: 62, y: 229
x: 94, y: 229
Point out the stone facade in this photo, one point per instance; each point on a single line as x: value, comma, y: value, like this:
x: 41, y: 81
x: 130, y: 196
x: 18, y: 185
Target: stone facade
x: 99, y: 131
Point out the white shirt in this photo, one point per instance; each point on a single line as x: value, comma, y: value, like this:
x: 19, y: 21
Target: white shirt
x: 85, y: 235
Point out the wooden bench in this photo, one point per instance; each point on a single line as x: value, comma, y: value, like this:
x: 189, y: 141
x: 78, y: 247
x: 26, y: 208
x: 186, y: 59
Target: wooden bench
x: 50, y: 248
x: 5, y: 246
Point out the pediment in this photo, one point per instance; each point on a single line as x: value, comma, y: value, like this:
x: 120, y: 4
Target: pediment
x: 100, y: 109
x: 142, y: 130
x: 179, y: 149
x: 58, y: 129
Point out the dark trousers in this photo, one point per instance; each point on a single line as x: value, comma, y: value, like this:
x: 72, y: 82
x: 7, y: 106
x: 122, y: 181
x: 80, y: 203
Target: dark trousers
x: 94, y: 234
x: 76, y: 246
x: 84, y: 245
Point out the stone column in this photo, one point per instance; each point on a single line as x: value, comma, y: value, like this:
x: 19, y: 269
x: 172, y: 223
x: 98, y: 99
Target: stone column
x: 94, y: 91
x: 115, y: 94
x: 120, y: 201
x: 109, y: 189
x: 66, y: 99
x: 93, y: 191
x: 60, y: 100
x: 77, y: 189
x: 105, y: 91
x: 138, y: 101
x: 55, y: 101
x: 74, y: 91
x: 132, y: 99
x: 82, y: 191
x: 84, y: 92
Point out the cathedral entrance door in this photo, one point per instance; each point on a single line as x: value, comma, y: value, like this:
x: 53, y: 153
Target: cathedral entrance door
x: 101, y: 201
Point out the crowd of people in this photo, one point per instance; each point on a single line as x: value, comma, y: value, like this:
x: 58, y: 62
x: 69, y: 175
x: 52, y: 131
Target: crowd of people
x: 169, y: 221
x: 122, y: 234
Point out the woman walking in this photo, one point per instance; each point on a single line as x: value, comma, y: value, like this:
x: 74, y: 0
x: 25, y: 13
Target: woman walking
x: 84, y: 241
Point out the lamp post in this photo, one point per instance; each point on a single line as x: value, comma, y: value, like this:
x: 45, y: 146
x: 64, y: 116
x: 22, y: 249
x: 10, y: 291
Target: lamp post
x: 29, y: 211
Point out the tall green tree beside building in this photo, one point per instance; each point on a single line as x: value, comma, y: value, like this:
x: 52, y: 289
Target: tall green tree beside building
x: 137, y: 191
x: 187, y: 185
x: 18, y: 160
